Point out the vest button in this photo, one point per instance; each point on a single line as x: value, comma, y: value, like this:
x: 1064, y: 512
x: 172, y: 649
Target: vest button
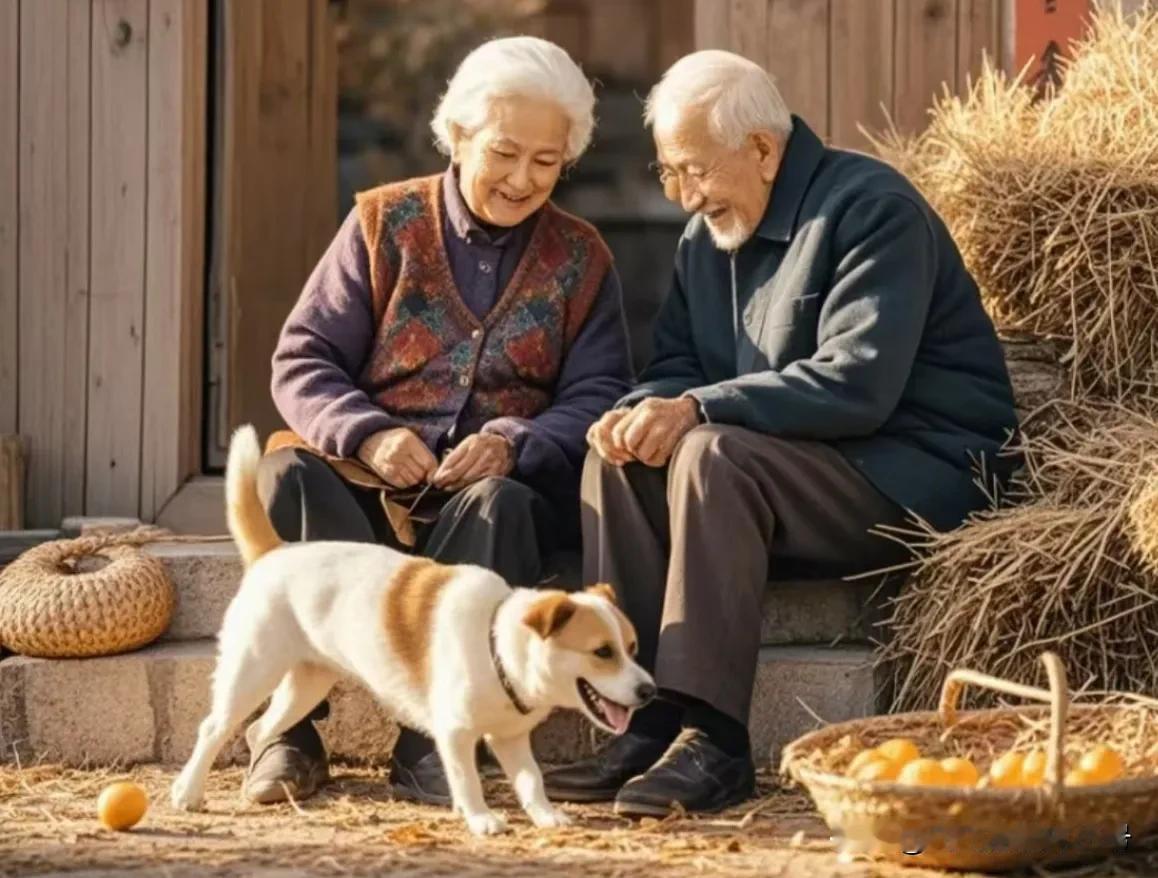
x: 464, y: 381
x: 476, y: 333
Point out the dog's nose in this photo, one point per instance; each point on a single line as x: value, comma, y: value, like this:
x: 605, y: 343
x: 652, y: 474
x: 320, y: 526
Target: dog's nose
x: 645, y: 692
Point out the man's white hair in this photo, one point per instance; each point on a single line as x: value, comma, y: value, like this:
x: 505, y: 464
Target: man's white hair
x: 740, y: 96
x: 509, y: 67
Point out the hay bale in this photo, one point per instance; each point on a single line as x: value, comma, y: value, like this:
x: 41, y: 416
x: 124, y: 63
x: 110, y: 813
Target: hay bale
x: 1063, y: 571
x: 1054, y: 204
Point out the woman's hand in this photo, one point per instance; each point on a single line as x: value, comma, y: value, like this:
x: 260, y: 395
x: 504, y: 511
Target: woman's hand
x: 398, y: 456
x: 478, y: 456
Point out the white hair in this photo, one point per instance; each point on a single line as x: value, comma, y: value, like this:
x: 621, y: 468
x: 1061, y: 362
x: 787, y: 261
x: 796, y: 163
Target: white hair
x: 739, y: 95
x: 515, y: 66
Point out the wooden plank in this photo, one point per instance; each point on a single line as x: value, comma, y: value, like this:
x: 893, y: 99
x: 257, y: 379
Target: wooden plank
x: 978, y: 36
x: 119, y: 134
x: 712, y: 24
x: 926, y: 58
x: 176, y: 156
x: 76, y: 316
x: 11, y: 483
x: 267, y: 258
x: 53, y: 219
x: 798, y: 32
x: 748, y: 29
x: 861, y: 69
x: 322, y: 214
x: 674, y: 32
x: 9, y: 189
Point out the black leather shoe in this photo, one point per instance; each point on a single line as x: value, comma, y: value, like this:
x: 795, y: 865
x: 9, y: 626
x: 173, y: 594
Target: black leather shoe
x: 693, y: 772
x: 600, y: 777
x: 293, y: 764
x: 421, y: 781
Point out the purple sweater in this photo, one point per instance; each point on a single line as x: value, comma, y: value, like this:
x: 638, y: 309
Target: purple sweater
x: 330, y: 332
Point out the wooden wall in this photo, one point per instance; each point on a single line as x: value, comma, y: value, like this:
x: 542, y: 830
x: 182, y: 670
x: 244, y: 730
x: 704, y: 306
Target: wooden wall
x: 102, y: 121
x: 844, y: 63
x: 276, y: 171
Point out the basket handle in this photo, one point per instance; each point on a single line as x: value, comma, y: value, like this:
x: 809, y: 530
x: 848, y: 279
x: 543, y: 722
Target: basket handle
x: 1057, y: 697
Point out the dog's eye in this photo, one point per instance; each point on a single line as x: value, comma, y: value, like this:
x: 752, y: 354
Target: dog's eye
x: 605, y: 652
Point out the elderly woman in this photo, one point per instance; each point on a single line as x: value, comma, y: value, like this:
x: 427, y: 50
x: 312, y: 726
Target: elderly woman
x: 446, y: 359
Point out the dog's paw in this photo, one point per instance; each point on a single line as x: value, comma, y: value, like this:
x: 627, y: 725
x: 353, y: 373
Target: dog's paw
x: 486, y: 823
x: 184, y: 798
x: 548, y: 818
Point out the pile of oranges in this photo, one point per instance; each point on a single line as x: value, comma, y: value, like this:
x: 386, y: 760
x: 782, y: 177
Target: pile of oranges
x: 900, y: 760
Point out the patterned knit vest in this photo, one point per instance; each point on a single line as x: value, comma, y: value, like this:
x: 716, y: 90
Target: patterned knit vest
x: 433, y: 361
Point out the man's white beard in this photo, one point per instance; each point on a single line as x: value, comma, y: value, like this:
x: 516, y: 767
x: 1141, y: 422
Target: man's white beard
x: 731, y: 238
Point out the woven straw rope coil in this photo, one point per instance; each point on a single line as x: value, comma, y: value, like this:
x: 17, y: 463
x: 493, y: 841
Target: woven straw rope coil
x: 986, y: 828
x: 49, y: 609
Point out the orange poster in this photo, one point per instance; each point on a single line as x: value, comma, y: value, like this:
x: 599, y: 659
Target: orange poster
x: 1042, y: 31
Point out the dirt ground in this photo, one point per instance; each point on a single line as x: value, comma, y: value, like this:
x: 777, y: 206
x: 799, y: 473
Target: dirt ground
x: 48, y: 826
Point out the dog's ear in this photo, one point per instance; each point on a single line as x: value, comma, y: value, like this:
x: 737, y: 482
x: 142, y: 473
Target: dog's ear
x: 602, y: 590
x: 550, y: 613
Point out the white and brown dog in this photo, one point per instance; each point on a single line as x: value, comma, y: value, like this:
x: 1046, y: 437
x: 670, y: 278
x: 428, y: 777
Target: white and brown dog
x: 451, y: 650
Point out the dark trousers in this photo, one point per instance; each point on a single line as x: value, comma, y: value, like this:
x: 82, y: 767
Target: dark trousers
x: 690, y: 547
x: 496, y: 523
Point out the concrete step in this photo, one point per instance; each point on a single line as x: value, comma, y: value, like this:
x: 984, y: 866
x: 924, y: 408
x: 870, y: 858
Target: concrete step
x: 822, y: 611
x: 145, y: 707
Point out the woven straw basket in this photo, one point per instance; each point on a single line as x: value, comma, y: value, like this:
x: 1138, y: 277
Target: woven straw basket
x: 50, y: 609
x: 988, y: 828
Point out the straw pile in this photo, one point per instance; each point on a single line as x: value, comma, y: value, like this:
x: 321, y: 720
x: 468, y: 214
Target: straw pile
x: 1061, y: 571
x: 1054, y: 203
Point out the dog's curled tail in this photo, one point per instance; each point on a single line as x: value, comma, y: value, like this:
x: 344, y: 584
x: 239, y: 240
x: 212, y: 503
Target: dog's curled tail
x: 248, y: 522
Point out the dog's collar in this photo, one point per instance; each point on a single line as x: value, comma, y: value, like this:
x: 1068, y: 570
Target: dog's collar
x: 504, y: 680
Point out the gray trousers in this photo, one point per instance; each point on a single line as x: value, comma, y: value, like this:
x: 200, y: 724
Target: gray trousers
x: 691, y: 547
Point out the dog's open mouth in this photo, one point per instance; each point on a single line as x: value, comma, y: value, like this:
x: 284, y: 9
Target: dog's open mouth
x: 607, y: 712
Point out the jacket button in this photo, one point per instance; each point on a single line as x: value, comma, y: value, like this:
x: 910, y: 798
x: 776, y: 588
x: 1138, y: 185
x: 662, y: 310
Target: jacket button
x: 464, y: 381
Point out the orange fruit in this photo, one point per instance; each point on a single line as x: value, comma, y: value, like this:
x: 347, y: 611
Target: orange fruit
x: 1078, y: 778
x: 959, y: 772
x: 1006, y: 770
x: 877, y: 769
x: 863, y: 758
x: 1101, y: 764
x: 122, y: 805
x: 899, y: 750
x: 924, y: 772
x: 1033, y: 769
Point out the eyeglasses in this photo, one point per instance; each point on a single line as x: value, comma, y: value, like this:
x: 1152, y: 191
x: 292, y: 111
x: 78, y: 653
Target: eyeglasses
x: 672, y: 179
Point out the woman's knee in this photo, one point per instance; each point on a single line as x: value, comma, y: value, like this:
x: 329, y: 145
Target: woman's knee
x: 289, y: 472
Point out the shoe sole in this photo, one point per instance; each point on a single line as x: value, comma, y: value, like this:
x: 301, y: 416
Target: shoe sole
x: 276, y: 794
x: 411, y: 795
x: 582, y: 796
x: 646, y: 809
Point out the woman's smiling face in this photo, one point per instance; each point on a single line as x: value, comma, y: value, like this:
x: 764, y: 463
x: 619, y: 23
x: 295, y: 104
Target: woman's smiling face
x: 508, y: 168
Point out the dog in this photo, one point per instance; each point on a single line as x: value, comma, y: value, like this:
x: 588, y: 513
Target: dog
x: 451, y: 650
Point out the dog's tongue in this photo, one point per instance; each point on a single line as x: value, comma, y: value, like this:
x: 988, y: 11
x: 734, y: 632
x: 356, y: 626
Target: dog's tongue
x: 617, y: 715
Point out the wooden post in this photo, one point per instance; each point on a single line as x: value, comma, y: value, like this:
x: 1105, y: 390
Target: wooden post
x: 11, y: 483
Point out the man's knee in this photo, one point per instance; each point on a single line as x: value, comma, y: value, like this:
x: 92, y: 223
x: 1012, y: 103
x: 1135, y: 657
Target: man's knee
x: 704, y: 447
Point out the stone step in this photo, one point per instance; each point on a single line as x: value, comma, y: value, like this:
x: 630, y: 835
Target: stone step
x: 145, y: 707
x: 822, y: 611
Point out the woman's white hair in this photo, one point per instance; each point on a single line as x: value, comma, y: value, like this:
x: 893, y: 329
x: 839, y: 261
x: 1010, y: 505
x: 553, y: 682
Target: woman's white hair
x: 515, y: 66
x: 739, y: 95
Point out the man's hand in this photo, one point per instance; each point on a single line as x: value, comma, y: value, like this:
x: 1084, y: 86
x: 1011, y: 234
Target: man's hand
x: 478, y: 456
x: 599, y: 437
x: 654, y: 427
x: 398, y: 456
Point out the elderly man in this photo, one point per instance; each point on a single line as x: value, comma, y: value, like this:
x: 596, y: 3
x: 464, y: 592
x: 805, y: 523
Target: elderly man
x: 822, y: 365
